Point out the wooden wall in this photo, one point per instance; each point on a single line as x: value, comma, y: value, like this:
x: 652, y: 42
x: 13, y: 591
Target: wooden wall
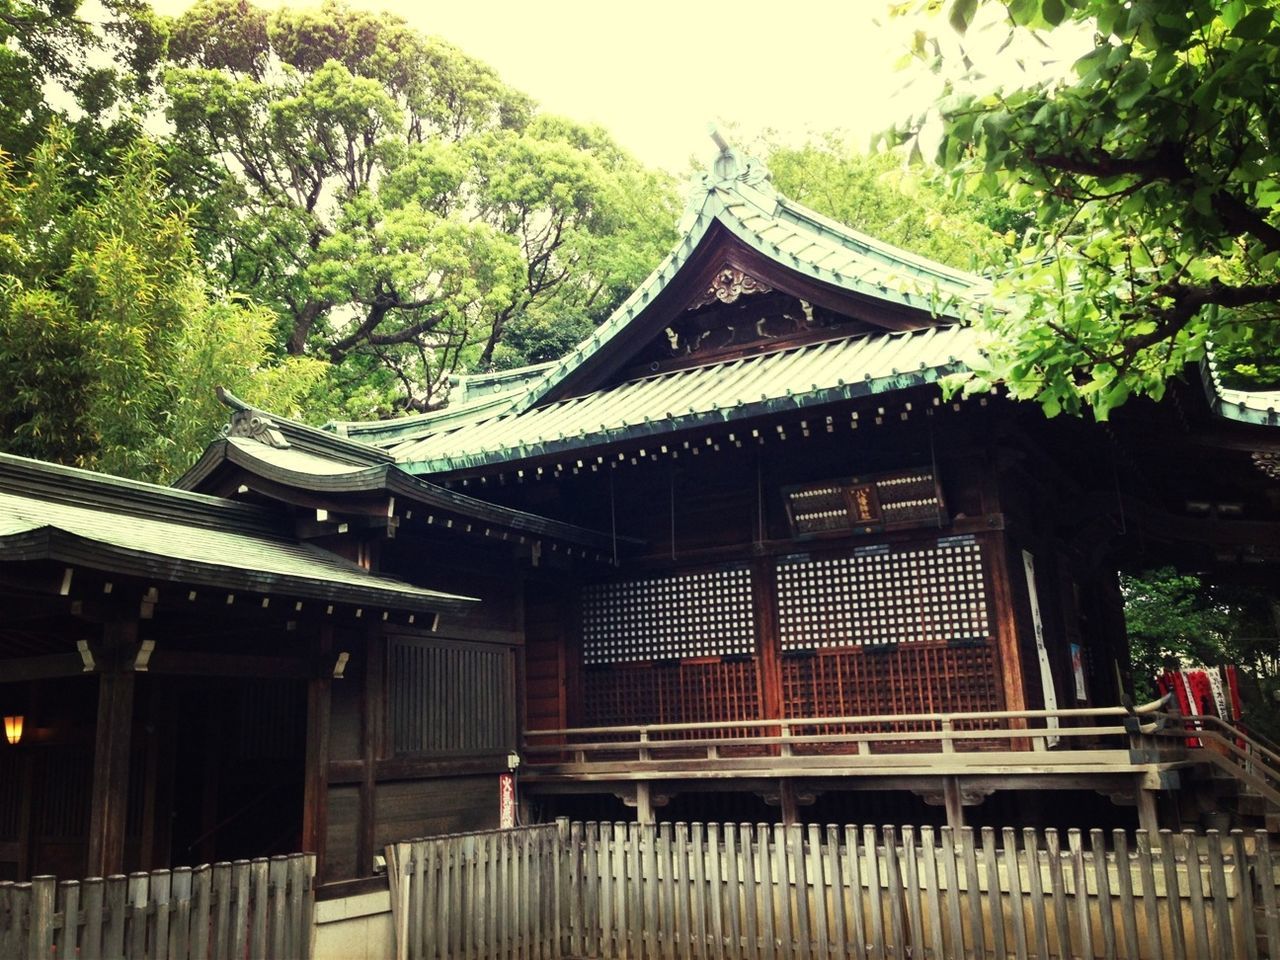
x: 423, y: 721
x: 722, y: 509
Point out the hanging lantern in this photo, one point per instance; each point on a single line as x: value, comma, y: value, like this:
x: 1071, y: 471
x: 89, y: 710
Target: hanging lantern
x: 13, y: 728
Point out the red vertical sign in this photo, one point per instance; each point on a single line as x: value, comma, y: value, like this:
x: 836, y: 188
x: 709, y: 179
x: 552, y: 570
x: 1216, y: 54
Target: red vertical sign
x: 506, y: 801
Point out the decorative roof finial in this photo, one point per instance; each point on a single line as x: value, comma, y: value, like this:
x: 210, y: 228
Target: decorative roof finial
x: 734, y: 168
x: 720, y: 141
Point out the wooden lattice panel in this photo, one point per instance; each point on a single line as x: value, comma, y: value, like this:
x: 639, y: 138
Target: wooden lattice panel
x: 696, y: 692
x: 924, y: 678
x: 707, y: 613
x: 877, y: 595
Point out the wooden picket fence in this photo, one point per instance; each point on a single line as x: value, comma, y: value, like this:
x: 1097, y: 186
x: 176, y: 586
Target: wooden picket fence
x: 634, y: 892
x: 491, y: 894
x: 245, y: 909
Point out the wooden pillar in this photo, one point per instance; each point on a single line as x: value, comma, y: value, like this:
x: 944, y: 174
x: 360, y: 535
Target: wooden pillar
x: 157, y: 800
x: 951, y: 798
x: 1005, y: 622
x: 315, y: 790
x: 25, y: 838
x: 768, y: 649
x: 1148, y: 819
x: 644, y: 802
x: 111, y: 750
x: 372, y: 733
x: 787, y: 803
x: 214, y: 726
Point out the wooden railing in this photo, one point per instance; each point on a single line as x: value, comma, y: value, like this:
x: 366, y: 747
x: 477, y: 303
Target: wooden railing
x: 1253, y: 764
x: 731, y: 891
x: 245, y: 909
x: 857, y: 741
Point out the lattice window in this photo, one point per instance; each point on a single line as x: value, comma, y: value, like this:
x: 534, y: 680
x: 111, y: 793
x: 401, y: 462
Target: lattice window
x: 697, y: 692
x: 876, y: 595
x: 705, y: 614
x: 908, y: 680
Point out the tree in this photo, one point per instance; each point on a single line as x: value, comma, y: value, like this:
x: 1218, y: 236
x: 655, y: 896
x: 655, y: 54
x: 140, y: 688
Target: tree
x: 392, y: 198
x: 1155, y: 182
x: 1183, y: 619
x: 908, y: 206
x: 112, y: 340
x: 87, y: 68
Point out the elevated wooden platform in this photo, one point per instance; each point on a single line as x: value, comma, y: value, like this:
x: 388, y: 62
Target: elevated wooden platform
x: 956, y: 759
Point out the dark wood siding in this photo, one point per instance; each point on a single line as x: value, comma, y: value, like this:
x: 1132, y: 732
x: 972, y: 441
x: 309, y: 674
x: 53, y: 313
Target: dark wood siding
x: 428, y: 807
x: 449, y: 698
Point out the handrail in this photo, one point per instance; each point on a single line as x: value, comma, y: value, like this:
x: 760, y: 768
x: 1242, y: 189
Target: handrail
x: 1255, y: 744
x: 1254, y: 765
x: 1238, y: 771
x: 943, y: 736
x: 899, y: 718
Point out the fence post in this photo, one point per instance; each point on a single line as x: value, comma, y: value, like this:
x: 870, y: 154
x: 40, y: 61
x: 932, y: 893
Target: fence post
x: 564, y: 853
x: 44, y: 891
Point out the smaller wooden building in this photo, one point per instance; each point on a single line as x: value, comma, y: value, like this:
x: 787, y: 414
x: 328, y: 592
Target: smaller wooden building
x: 214, y: 677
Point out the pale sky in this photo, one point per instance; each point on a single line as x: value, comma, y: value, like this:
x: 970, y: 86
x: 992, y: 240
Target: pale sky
x: 656, y: 73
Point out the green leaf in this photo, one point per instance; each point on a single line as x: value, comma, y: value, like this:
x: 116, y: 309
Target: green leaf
x: 1256, y: 24
x: 961, y: 14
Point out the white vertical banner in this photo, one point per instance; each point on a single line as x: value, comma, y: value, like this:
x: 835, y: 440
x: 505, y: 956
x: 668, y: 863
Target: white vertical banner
x: 1046, y: 673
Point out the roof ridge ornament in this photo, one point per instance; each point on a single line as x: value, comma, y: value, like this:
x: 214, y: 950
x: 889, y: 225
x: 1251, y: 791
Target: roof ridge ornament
x: 735, y: 170
x: 252, y: 425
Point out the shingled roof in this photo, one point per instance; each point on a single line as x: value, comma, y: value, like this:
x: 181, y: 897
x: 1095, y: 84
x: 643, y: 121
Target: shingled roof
x: 50, y: 512
x: 552, y: 407
x: 583, y: 401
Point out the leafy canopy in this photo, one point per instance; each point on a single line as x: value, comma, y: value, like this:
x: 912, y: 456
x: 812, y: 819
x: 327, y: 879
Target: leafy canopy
x: 399, y: 206
x: 112, y: 340
x: 899, y: 204
x: 1155, y: 184
x: 91, y: 65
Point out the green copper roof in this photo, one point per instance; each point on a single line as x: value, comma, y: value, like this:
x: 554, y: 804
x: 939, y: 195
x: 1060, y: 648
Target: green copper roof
x: 472, y: 397
x: 315, y: 462
x: 1261, y: 407
x: 738, y: 196
x: 785, y: 380
x: 565, y: 408
x: 48, y: 512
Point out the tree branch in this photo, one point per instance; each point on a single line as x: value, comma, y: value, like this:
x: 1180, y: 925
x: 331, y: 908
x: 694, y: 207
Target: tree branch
x: 1166, y: 163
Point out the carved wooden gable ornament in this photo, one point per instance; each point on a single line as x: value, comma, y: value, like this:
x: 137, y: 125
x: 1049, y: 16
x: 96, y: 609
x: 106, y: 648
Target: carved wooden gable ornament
x: 728, y: 286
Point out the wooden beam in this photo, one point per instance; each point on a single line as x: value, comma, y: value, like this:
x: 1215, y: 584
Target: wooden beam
x: 315, y: 789
x: 200, y: 664
x: 52, y: 665
x: 111, y: 752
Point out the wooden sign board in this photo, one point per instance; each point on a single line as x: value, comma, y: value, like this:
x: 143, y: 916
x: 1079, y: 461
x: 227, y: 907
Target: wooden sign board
x: 888, y: 501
